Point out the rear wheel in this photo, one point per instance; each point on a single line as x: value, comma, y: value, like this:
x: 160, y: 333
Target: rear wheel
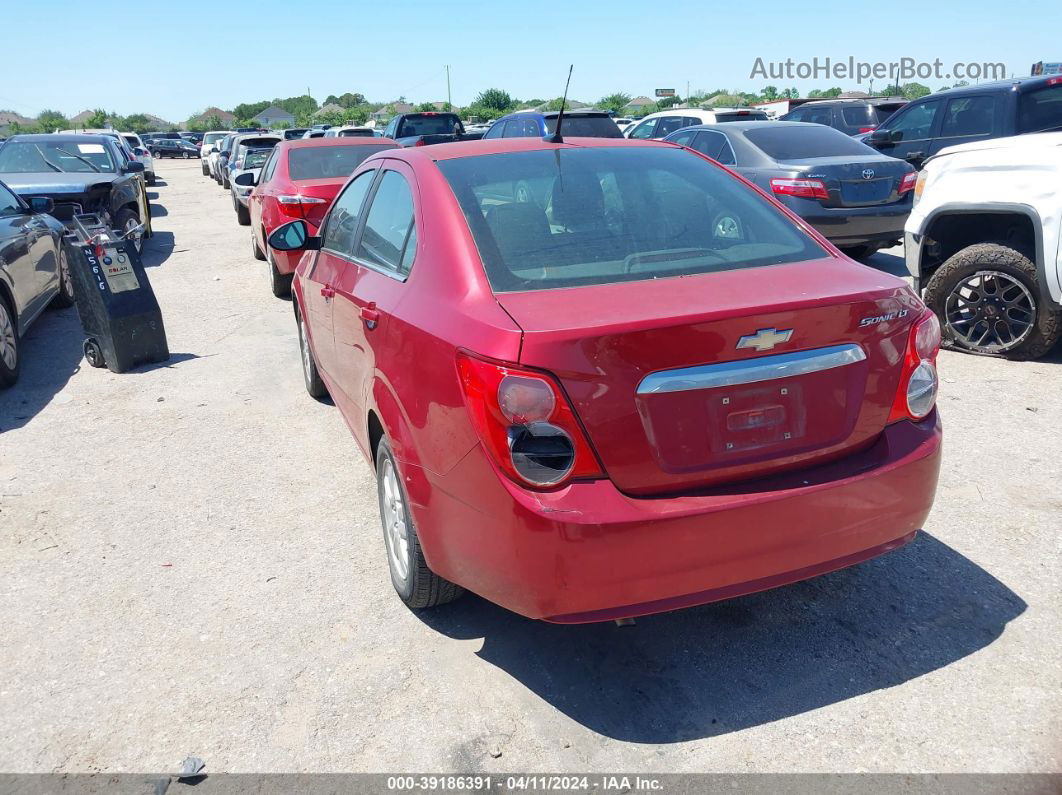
x: 243, y: 215
x: 859, y: 252
x: 255, y: 251
x: 186, y: 155
x: 9, y: 346
x: 416, y: 584
x: 988, y: 299
x: 279, y: 283
x: 65, y: 296
x: 314, y: 385
x: 151, y: 179
x: 206, y: 171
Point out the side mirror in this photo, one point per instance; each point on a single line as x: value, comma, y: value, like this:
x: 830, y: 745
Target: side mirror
x: 134, y: 167
x: 41, y: 204
x: 293, y: 236
x: 882, y: 137
x: 247, y: 180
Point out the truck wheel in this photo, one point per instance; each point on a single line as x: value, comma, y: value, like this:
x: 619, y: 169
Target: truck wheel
x: 93, y: 353
x: 988, y: 299
x: 125, y: 222
x: 9, y: 353
x: 416, y: 584
x: 65, y: 296
x: 310, y: 376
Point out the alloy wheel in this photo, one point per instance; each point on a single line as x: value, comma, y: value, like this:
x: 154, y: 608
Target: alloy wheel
x: 8, y: 343
x: 396, y: 525
x: 990, y: 311
x: 66, y: 284
x: 307, y: 356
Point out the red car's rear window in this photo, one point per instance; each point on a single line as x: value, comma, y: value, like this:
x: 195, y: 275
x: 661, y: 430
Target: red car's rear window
x: 329, y: 161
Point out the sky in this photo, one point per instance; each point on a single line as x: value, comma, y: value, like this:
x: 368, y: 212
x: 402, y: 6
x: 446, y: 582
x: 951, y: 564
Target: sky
x: 178, y: 60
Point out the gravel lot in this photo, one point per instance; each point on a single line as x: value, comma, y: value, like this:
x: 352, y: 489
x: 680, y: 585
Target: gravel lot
x: 191, y: 563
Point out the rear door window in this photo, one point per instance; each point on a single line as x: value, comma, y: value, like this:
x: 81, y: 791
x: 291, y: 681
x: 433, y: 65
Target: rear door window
x: 342, y: 225
x: 820, y: 115
x: 857, y: 116
x: 969, y: 116
x: 669, y: 124
x: 1040, y: 110
x: 715, y: 145
x: 389, y: 227
x: 586, y: 127
x: 645, y: 129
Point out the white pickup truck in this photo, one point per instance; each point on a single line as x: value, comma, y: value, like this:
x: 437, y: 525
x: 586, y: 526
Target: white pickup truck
x: 983, y: 243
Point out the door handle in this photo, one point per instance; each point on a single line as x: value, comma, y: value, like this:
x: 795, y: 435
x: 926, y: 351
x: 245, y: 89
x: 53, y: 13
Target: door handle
x: 370, y: 315
x: 328, y: 291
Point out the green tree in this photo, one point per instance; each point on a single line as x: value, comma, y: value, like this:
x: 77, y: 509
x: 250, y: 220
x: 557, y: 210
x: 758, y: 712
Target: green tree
x: 769, y: 93
x: 495, y: 99
x: 137, y: 123
x: 616, y: 102
x: 914, y: 90
x: 51, y: 120
x: 97, y: 120
x: 347, y: 100
x: 667, y: 102
x: 425, y: 107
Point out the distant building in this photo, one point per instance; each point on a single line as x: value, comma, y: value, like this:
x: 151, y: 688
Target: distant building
x: 393, y: 109
x: 331, y: 107
x: 639, y: 103
x: 273, y: 116
x: 226, y: 118
x: 9, y: 117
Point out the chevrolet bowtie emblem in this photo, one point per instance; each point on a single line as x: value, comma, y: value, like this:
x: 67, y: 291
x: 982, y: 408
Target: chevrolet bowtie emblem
x: 765, y: 339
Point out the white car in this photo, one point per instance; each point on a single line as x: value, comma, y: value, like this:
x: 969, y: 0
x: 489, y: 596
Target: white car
x: 141, y: 153
x: 348, y: 131
x: 623, y: 123
x: 210, y: 147
x: 983, y: 243
x: 662, y: 124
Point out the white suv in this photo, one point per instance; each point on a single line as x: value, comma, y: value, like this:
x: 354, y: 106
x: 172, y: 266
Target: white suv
x: 210, y: 147
x: 141, y: 153
x: 662, y: 124
x: 983, y: 243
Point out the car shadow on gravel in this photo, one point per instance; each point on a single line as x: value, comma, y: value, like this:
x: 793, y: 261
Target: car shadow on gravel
x: 157, y: 248
x: 889, y: 262
x: 745, y: 662
x: 158, y: 210
x: 51, y: 353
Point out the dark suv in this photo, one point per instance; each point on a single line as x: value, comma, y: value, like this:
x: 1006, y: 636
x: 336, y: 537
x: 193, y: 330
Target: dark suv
x: 850, y: 116
x: 973, y: 113
x: 577, y: 123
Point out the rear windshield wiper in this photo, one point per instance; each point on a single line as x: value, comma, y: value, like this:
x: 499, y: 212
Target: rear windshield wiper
x: 84, y: 160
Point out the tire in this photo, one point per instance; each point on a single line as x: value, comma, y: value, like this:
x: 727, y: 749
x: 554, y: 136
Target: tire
x: 206, y: 171
x: 1008, y: 317
x: 156, y: 154
x: 416, y: 584
x: 10, y: 358
x: 243, y: 215
x: 122, y: 222
x: 65, y: 296
x: 255, y: 251
x: 310, y: 376
x: 279, y: 283
x: 93, y: 353
x: 186, y: 155
x: 859, y: 252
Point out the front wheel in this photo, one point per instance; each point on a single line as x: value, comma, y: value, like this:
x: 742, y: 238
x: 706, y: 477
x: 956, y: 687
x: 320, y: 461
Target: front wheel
x: 9, y: 346
x: 988, y: 299
x: 125, y: 222
x: 416, y: 584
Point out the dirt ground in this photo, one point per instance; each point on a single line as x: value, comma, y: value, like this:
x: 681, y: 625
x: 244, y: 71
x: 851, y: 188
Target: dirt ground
x: 191, y: 562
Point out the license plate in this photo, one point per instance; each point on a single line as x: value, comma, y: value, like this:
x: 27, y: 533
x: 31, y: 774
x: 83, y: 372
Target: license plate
x: 867, y: 191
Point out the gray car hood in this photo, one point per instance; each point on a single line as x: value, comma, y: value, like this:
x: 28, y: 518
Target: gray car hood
x: 54, y: 183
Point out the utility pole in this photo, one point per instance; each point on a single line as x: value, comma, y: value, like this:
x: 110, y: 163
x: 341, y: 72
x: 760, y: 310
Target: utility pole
x: 448, y: 101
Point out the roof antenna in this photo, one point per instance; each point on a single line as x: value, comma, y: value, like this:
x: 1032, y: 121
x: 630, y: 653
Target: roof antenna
x: 556, y: 137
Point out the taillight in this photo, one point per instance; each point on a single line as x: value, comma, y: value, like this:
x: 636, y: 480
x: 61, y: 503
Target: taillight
x: 908, y: 182
x: 419, y: 142
x: 292, y: 205
x: 917, y: 392
x: 868, y: 129
x: 801, y: 188
x: 526, y: 423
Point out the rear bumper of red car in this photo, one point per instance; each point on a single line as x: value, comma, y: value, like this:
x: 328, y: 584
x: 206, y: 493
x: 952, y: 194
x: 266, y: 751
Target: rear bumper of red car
x: 591, y: 553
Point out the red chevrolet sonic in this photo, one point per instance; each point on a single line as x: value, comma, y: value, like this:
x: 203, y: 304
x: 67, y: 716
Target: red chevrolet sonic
x: 299, y: 180
x: 604, y: 378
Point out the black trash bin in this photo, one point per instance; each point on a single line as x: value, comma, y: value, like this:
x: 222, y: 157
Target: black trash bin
x: 117, y: 306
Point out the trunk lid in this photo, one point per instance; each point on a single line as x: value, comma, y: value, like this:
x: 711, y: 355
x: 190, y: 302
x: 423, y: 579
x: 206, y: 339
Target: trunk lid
x: 740, y: 413
x: 321, y: 188
x: 856, y: 183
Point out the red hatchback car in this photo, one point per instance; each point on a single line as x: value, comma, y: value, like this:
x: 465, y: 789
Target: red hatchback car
x: 299, y: 180
x: 604, y: 378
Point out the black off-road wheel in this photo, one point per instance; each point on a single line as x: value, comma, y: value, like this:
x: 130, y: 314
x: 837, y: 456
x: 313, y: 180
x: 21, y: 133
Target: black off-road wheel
x: 989, y: 301
x: 416, y: 584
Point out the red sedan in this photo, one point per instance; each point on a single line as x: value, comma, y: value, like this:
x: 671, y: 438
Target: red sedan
x: 299, y: 180
x: 604, y: 378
